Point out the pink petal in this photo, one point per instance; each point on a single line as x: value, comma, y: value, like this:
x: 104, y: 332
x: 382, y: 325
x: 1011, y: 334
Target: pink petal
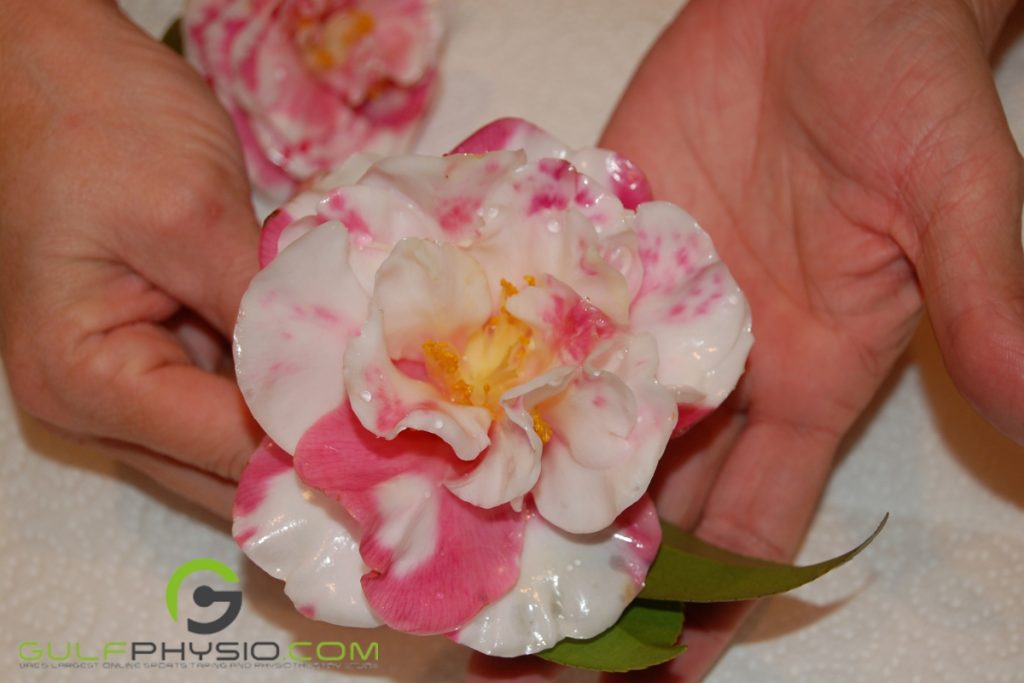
x: 387, y: 401
x: 562, y: 318
x: 294, y: 323
x: 611, y: 170
x: 512, y: 134
x: 691, y: 305
x: 434, y: 560
x: 300, y: 122
x: 300, y: 215
x: 300, y: 536
x: 570, y: 585
x: 450, y: 190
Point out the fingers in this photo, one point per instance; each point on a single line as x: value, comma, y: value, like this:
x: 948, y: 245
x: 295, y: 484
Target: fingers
x: 760, y: 505
x: 970, y: 264
x: 201, y: 488
x: 691, y: 463
x: 136, y: 384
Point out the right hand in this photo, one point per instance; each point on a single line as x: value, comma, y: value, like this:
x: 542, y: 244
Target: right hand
x: 126, y: 241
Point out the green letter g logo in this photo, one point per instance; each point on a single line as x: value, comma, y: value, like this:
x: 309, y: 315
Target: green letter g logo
x: 205, y: 596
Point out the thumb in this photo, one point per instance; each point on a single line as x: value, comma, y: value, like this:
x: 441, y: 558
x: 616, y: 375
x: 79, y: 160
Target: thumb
x: 970, y: 263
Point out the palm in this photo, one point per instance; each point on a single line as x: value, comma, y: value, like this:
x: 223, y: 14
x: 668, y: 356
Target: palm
x: 813, y: 144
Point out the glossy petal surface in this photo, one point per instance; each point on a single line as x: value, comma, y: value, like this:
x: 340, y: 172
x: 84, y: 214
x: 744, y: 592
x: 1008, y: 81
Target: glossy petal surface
x: 434, y: 559
x: 293, y: 326
x: 570, y: 585
x: 299, y: 535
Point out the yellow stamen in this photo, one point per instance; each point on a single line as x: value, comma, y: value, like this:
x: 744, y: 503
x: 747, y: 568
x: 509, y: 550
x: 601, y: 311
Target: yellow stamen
x: 325, y: 45
x: 500, y: 355
x: 542, y: 428
x: 508, y: 289
x: 530, y: 280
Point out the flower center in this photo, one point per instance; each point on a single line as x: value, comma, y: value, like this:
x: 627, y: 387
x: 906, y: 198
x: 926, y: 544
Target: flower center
x: 502, y: 354
x: 325, y: 43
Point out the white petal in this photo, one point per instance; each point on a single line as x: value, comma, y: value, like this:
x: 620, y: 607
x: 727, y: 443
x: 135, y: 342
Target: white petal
x: 691, y: 304
x: 386, y: 401
x: 597, y: 465
x: 429, y: 291
x: 302, y: 537
x: 508, y: 469
x: 570, y: 586
x: 561, y: 244
x: 450, y: 189
x: 293, y: 325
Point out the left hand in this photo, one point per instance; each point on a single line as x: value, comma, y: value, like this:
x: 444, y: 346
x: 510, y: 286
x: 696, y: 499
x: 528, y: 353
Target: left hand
x: 852, y: 162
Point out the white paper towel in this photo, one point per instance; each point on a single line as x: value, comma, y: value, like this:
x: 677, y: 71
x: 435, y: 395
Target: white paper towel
x: 86, y: 548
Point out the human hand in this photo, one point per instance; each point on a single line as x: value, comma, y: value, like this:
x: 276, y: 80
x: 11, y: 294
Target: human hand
x: 126, y: 239
x: 852, y: 162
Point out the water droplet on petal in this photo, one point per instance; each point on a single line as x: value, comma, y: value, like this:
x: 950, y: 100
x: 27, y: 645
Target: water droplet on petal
x: 366, y: 395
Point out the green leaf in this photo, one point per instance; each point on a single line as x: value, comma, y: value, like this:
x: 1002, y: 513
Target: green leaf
x: 172, y: 37
x: 644, y: 635
x: 690, y: 570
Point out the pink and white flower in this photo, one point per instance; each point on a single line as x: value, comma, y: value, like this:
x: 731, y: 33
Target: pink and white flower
x: 310, y: 82
x: 468, y: 368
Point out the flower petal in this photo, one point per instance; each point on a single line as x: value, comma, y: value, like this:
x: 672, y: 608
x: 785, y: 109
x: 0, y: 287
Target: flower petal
x: 691, y: 304
x: 561, y: 318
x: 293, y: 325
x: 611, y: 170
x: 570, y: 585
x: 610, y: 427
x: 561, y: 244
x: 300, y: 536
x: 451, y: 189
x: 435, y: 560
x: 507, y: 470
x: 387, y: 401
x: 512, y: 134
x: 425, y: 290
x: 615, y: 172
x: 299, y: 215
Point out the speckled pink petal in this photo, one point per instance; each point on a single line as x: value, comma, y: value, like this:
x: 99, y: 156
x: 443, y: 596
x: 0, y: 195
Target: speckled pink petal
x: 451, y: 190
x: 691, y: 304
x: 560, y: 317
x: 562, y: 244
x: 615, y: 172
x: 299, y: 215
x: 435, y: 560
x: 610, y: 427
x: 302, y: 120
x: 512, y: 134
x: 611, y: 170
x: 293, y: 325
x: 388, y: 401
x: 400, y: 48
x: 570, y: 585
x: 299, y: 535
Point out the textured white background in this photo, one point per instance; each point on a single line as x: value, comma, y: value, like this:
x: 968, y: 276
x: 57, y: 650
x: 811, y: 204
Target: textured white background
x: 86, y: 548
